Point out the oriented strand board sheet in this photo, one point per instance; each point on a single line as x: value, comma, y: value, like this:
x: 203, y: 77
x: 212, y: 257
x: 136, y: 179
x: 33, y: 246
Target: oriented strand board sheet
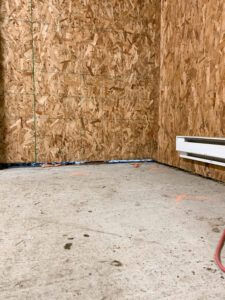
x: 192, y: 93
x: 79, y: 79
x: 57, y: 49
x: 17, y: 143
x: 15, y: 9
x: 16, y: 128
x: 16, y: 44
x: 61, y: 137
x: 131, y: 16
x: 135, y: 141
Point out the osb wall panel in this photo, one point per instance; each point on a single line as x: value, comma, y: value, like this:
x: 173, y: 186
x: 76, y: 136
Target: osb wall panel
x: 96, y: 71
x: 79, y: 79
x: 16, y: 88
x: 17, y: 9
x: 192, y: 80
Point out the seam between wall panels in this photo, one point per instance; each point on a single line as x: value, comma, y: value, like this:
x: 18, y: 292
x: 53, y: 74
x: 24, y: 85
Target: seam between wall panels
x: 33, y: 75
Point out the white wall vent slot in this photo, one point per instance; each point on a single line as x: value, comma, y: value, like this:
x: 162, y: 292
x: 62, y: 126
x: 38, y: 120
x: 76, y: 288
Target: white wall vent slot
x: 204, y: 149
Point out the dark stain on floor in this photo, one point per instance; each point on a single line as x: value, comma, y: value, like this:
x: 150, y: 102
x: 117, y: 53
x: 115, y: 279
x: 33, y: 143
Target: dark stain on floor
x: 68, y: 246
x: 116, y: 263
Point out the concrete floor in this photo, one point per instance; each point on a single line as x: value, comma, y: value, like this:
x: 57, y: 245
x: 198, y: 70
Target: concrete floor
x: 109, y: 232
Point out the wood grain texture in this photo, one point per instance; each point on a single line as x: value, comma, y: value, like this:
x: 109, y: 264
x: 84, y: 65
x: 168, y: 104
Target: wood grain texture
x: 17, y: 140
x: 96, y: 71
x: 16, y: 37
x: 15, y: 9
x: 112, y: 79
x: 58, y: 139
x: 116, y: 15
x: 16, y: 89
x: 192, y: 80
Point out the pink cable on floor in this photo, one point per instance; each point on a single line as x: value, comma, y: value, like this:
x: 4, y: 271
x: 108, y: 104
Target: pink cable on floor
x: 218, y: 251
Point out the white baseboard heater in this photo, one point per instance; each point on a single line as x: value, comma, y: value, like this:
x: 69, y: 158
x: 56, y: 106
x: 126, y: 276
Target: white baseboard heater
x: 204, y: 149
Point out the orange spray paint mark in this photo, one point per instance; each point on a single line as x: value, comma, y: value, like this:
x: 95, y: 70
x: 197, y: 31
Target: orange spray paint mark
x: 156, y: 168
x: 199, y: 197
x: 180, y: 197
x: 183, y: 196
x: 78, y: 173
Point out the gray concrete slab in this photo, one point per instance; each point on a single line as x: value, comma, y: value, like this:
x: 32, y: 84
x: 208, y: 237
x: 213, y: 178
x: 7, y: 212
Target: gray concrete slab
x: 109, y: 232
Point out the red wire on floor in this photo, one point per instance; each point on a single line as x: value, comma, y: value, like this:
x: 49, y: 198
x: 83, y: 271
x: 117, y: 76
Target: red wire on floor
x: 218, y: 251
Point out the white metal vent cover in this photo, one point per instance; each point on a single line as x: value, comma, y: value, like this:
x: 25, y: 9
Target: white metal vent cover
x: 205, y: 149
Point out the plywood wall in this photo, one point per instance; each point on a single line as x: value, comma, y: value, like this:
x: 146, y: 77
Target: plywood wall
x: 192, y: 79
x: 100, y: 80
x: 16, y: 87
x: 79, y: 79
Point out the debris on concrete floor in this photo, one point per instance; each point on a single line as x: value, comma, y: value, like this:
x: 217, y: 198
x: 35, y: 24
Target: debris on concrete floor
x: 51, y: 165
x: 135, y: 165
